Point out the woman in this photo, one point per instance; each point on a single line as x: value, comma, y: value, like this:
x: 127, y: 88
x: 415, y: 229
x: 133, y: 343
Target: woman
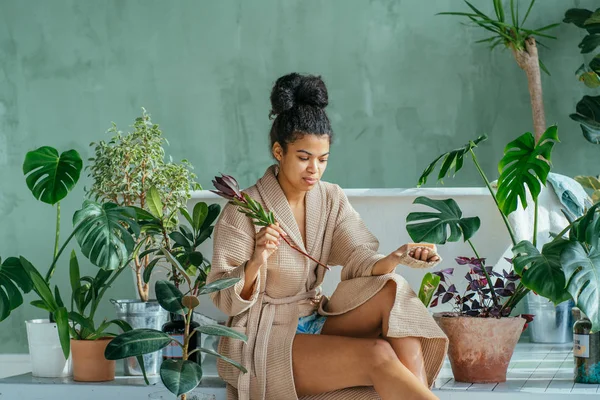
x: 373, y: 338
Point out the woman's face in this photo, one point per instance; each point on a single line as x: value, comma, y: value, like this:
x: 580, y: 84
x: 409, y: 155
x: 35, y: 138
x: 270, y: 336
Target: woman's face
x: 304, y: 162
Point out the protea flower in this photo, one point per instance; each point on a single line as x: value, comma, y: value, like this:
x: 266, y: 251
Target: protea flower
x: 228, y: 188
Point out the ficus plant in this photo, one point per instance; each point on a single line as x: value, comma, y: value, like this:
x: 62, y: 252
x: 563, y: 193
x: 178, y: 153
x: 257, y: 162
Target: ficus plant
x: 506, y: 28
x: 130, y: 170
x: 183, y: 375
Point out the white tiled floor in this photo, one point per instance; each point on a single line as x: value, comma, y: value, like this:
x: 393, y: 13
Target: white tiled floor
x: 534, y: 368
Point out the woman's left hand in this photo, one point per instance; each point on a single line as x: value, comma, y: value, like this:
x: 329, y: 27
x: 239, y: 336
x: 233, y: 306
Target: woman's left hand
x: 419, y: 253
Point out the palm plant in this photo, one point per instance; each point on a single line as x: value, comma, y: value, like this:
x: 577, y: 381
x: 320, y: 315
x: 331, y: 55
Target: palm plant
x: 521, y: 41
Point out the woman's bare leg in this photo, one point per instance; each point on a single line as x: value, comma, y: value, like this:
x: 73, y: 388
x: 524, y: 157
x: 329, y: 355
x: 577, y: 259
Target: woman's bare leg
x: 371, y: 320
x: 324, y: 363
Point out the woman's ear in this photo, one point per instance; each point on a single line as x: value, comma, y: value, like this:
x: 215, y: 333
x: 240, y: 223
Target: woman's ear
x: 277, y: 151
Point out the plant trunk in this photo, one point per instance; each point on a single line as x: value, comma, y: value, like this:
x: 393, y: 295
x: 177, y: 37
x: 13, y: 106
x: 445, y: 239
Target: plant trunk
x: 528, y: 61
x: 142, y: 287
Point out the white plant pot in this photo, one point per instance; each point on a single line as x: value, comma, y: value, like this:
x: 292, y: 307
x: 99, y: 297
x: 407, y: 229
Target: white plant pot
x: 45, y: 353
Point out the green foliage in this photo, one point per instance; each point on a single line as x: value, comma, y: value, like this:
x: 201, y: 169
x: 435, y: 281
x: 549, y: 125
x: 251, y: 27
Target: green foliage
x: 525, y: 163
x: 428, y: 287
x: 178, y: 376
x: 588, y: 108
x: 12, y: 278
x: 51, y: 177
x: 510, y: 33
x: 434, y: 227
x: 590, y: 182
x: 127, y: 166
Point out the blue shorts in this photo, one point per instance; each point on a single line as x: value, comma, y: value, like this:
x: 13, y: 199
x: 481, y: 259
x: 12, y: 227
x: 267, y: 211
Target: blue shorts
x: 311, y: 324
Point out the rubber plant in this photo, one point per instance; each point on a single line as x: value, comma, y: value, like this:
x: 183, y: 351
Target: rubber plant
x: 125, y: 169
x: 587, y: 110
x: 102, y: 231
x: 182, y: 242
x: 178, y: 376
x: 510, y: 32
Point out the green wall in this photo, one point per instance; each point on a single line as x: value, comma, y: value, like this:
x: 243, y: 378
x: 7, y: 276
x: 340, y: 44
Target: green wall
x: 404, y: 85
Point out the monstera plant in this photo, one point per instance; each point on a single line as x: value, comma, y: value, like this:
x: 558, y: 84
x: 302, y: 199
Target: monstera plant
x: 567, y: 267
x: 102, y: 231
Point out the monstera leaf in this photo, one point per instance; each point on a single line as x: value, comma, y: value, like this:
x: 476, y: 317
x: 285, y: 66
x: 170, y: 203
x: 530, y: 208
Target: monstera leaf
x: 582, y: 271
x: 588, y: 116
x: 542, y: 272
x: 433, y: 227
x: 525, y: 164
x: 49, y: 176
x: 102, y: 234
x: 452, y: 160
x: 12, y: 277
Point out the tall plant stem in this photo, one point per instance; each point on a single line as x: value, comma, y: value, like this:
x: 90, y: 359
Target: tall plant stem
x: 487, y: 276
x: 57, y: 231
x: 57, y: 256
x: 535, y: 223
x: 489, y: 187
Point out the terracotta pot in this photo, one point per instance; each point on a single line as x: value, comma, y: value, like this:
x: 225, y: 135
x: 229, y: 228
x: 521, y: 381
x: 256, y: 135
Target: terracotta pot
x: 480, y: 348
x: 89, y: 364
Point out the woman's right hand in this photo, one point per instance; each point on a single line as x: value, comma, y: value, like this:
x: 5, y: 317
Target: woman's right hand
x: 267, y: 240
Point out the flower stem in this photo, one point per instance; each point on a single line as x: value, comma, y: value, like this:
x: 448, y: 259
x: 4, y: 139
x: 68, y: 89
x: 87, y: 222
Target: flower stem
x: 305, y: 254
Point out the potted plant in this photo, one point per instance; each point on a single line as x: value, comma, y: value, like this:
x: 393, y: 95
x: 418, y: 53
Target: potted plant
x: 89, y: 341
x: 587, y: 110
x: 130, y: 170
x: 98, y: 229
x: 484, y: 309
x: 509, y: 31
x: 179, y: 376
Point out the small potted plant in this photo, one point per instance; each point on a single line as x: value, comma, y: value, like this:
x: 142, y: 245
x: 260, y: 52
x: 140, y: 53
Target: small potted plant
x: 130, y: 170
x: 180, y: 376
x: 88, y: 341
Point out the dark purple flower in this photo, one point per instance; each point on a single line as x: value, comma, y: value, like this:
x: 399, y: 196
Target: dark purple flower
x: 228, y: 188
x: 470, y: 261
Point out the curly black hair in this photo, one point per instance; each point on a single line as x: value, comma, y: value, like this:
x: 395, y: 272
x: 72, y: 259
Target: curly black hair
x: 298, y: 104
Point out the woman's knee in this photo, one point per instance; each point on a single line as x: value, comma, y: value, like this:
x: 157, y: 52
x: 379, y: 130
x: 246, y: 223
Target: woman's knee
x: 381, y: 355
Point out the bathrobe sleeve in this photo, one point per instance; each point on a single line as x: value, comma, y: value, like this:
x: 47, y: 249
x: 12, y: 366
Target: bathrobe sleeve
x: 233, y: 246
x: 353, y: 247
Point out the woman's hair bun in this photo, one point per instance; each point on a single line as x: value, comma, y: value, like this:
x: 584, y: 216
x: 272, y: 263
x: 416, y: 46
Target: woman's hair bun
x: 293, y: 90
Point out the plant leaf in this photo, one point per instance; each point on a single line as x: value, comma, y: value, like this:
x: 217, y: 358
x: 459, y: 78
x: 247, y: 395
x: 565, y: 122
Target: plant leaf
x: 12, y: 277
x: 199, y: 215
x: 588, y: 116
x: 542, y: 272
x: 428, y: 287
x: 149, y: 268
x: 218, y: 285
x: 39, y: 284
x: 169, y: 297
x: 51, y: 177
x: 136, y: 342
x: 180, y: 376
x: 154, y: 203
x: 190, y: 302
x: 220, y: 330
x: 213, y: 212
x: 434, y: 227
x: 228, y: 360
x: 103, y: 235
x: 452, y: 160
x: 582, y: 272
x: 522, y: 167
x: 62, y: 324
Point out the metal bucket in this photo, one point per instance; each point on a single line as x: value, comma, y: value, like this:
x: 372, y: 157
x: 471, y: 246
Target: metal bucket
x: 551, y: 324
x: 142, y: 315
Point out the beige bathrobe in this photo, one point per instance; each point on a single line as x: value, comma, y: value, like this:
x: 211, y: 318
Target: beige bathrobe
x: 288, y: 287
